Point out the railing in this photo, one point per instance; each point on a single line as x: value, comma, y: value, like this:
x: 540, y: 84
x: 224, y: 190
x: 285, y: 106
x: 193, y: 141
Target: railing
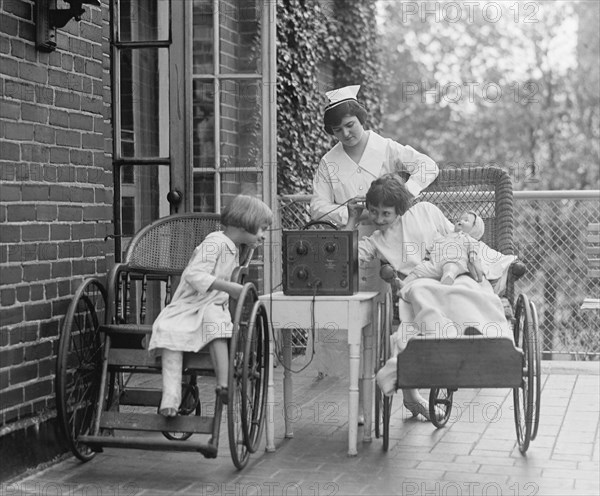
x: 549, y: 237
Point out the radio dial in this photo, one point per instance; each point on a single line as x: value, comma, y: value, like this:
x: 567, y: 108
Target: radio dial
x: 301, y: 249
x: 330, y: 247
x: 302, y: 274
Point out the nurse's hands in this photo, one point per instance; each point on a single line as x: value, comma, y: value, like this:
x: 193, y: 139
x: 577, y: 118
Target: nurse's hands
x: 355, y: 209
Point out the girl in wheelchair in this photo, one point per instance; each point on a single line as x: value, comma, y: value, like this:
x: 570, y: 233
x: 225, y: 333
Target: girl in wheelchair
x: 404, y: 232
x: 198, y: 314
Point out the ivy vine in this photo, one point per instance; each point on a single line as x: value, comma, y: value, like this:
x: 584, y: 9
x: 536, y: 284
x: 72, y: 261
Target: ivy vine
x: 310, y: 34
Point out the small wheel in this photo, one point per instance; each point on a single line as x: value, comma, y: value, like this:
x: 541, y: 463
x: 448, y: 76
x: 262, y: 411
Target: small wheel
x: 440, y: 400
x: 237, y: 346
x: 79, y: 365
x: 386, y: 411
x: 524, y: 396
x: 537, y: 361
x: 255, y: 374
x: 190, y: 404
x: 320, y: 224
x: 383, y: 351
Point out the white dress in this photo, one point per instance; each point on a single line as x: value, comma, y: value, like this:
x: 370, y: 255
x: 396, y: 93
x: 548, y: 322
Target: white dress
x: 196, y: 315
x: 338, y: 178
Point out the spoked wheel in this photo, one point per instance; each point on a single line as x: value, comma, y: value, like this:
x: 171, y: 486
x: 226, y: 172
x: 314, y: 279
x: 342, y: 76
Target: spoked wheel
x: 537, y: 362
x: 255, y: 374
x: 238, y: 447
x: 386, y: 413
x: 79, y: 365
x: 440, y: 401
x: 190, y: 405
x: 523, y: 396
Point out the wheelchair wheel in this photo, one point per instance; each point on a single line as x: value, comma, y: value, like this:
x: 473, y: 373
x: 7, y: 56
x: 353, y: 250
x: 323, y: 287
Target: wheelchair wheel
x: 537, y: 362
x: 79, y: 365
x: 440, y: 400
x: 255, y: 374
x: 524, y: 404
x: 190, y: 405
x: 237, y: 347
x: 384, y: 323
x: 386, y: 413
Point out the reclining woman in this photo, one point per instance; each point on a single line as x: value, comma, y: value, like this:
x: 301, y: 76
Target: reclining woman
x: 403, y: 233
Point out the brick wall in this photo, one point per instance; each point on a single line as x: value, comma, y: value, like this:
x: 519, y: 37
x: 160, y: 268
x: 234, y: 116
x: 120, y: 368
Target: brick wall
x: 55, y: 206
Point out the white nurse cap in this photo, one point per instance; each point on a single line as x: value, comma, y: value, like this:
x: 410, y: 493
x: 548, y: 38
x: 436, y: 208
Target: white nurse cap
x: 342, y: 95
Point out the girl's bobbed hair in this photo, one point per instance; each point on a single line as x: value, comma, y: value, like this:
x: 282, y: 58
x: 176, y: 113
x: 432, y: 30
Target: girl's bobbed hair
x: 333, y: 116
x: 389, y: 191
x: 247, y: 212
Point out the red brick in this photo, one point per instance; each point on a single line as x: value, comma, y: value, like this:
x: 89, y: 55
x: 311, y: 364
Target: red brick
x: 11, y: 356
x: 10, y: 27
x: 59, y: 155
x: 27, y: 334
x: 36, y: 272
x: 23, y: 373
x: 38, y: 351
x: 23, y: 293
x: 32, y: 192
x: 59, y: 193
x: 38, y: 389
x: 10, y: 110
x: 35, y: 232
x: 3, y: 254
x: 34, y: 113
x: 66, y: 213
x: 22, y: 252
x: 81, y: 121
x: 17, y: 213
x: 19, y: 9
x: 7, y: 297
x: 18, y: 131
x: 47, y: 251
x: 11, y: 397
x: 38, y: 311
x: 59, y: 118
x: 46, y: 212
x: 10, y: 234
x: 83, y: 231
x: 10, y: 275
x: 39, y: 154
x: 49, y: 329
x: 3, y: 379
x: 44, y: 95
x: 60, y: 232
x: 60, y: 307
x: 45, y: 134
x: 10, y: 192
x: 47, y: 367
x: 31, y: 72
x: 68, y: 138
x: 37, y: 293
x: 9, y: 151
x: 51, y: 290
x: 67, y: 100
x: 62, y: 269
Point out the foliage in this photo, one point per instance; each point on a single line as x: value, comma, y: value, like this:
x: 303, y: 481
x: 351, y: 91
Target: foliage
x: 312, y: 35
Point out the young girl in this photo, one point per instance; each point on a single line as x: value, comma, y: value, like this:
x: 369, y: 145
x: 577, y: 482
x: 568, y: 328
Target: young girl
x: 198, y: 313
x: 401, y: 230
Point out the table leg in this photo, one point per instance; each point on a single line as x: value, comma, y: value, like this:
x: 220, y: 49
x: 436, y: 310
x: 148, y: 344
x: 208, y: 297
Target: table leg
x: 354, y: 353
x: 367, y: 381
x: 287, y: 381
x: 270, y: 421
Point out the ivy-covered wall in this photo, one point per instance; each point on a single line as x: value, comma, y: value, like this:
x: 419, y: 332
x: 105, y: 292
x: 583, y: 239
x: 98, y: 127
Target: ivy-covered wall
x: 311, y: 35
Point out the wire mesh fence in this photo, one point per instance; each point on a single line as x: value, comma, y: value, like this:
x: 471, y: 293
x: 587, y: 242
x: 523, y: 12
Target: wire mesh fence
x: 549, y: 237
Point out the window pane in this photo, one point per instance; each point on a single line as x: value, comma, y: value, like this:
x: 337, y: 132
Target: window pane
x: 204, y: 193
x: 144, y: 102
x: 144, y: 20
x: 143, y: 196
x: 204, y: 124
x: 203, y: 37
x: 241, y: 121
x: 239, y: 25
x: 244, y: 181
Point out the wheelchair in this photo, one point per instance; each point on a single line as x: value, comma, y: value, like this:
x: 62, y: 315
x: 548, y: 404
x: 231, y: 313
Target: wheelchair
x: 444, y: 365
x: 102, y: 395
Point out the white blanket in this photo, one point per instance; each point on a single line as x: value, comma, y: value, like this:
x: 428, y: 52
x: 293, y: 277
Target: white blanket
x: 436, y: 310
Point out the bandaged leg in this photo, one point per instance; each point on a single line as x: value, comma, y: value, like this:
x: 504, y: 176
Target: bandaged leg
x: 172, y: 364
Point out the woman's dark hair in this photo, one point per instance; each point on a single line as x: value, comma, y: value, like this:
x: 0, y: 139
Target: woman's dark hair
x: 333, y: 116
x: 389, y: 191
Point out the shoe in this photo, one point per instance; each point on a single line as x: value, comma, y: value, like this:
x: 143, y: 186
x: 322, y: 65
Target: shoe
x: 168, y: 412
x: 223, y: 394
x: 361, y: 419
x: 418, y: 408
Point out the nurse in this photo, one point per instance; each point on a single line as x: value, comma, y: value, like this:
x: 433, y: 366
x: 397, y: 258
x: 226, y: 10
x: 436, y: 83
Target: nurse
x: 346, y: 171
x: 358, y: 158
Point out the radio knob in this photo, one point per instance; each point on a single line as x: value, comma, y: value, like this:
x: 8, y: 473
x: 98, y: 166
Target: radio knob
x: 302, y: 274
x: 329, y: 247
x: 301, y: 249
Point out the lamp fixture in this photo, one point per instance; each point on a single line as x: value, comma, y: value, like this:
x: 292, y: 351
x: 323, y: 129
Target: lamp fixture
x: 48, y: 19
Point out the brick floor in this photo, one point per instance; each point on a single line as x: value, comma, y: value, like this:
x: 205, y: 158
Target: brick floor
x: 475, y: 454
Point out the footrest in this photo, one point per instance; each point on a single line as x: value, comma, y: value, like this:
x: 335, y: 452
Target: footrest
x: 113, y: 329
x: 123, y: 357
x: 96, y: 443
x: 155, y: 422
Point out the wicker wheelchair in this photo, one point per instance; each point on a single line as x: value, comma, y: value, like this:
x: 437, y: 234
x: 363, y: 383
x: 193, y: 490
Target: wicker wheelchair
x: 445, y: 365
x: 102, y: 365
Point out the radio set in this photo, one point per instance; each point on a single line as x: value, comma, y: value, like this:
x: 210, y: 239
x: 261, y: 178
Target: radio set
x: 321, y: 262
